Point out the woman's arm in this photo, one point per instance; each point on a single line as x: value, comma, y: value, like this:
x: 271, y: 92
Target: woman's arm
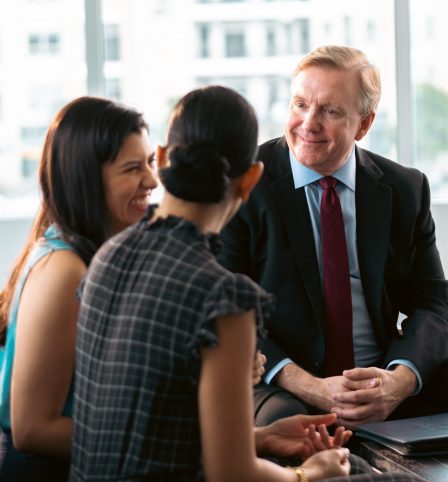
x: 44, y: 355
x: 225, y: 407
x: 226, y: 413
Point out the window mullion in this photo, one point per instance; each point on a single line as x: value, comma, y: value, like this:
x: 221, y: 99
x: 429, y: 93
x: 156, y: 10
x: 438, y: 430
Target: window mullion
x: 95, y: 52
x: 405, y: 113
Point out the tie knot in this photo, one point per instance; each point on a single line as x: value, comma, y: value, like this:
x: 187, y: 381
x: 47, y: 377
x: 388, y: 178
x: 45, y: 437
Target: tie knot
x: 328, y: 182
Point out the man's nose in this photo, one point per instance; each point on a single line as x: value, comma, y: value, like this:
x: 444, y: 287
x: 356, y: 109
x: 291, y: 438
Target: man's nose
x: 310, y: 120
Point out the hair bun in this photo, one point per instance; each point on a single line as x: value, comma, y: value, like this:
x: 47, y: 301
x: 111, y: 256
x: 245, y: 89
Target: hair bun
x: 201, y: 157
x: 198, y: 173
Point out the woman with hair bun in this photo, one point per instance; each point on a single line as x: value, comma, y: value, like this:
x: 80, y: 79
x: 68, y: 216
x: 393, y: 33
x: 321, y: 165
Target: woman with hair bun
x: 167, y: 336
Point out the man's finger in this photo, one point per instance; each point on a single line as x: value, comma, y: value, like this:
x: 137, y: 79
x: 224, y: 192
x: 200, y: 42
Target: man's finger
x: 363, y: 384
x: 356, y: 397
x: 361, y: 373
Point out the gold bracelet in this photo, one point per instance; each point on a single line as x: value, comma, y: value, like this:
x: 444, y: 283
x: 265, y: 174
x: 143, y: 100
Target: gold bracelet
x: 301, y: 476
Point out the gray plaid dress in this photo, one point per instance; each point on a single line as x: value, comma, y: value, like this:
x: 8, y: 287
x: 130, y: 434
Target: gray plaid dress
x: 149, y: 302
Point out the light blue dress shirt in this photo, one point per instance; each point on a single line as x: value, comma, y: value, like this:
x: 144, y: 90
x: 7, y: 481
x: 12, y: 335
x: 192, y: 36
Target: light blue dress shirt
x: 366, y: 349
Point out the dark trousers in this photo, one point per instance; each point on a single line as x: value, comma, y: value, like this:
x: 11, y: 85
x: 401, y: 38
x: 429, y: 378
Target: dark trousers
x: 18, y: 466
x: 272, y: 403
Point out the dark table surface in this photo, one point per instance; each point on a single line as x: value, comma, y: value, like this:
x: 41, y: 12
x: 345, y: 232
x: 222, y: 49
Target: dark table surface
x: 431, y: 468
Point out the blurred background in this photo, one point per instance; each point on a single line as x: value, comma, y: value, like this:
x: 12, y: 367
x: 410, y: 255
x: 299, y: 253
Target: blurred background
x: 148, y: 53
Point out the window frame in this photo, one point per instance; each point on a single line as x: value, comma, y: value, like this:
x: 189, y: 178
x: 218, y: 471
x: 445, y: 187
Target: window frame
x: 405, y: 141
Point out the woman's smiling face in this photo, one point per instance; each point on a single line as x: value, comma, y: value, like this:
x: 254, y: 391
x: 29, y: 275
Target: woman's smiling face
x: 129, y: 180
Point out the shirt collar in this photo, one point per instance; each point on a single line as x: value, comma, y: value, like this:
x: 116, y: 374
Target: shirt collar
x: 303, y: 175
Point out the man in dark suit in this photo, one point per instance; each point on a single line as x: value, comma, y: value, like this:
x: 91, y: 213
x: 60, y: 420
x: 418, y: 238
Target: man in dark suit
x: 394, y: 269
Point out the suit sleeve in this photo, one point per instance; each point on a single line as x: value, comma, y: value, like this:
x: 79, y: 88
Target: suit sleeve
x: 421, y: 293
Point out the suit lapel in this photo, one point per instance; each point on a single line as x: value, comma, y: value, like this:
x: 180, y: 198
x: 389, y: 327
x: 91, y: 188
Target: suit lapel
x: 373, y: 218
x: 293, y: 209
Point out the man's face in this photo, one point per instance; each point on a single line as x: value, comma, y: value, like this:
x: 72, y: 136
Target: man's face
x: 324, y: 119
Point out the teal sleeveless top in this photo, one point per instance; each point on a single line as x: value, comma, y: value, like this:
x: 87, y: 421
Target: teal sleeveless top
x: 50, y: 242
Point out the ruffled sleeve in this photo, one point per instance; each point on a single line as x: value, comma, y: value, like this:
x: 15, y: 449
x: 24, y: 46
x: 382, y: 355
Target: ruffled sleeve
x: 233, y: 294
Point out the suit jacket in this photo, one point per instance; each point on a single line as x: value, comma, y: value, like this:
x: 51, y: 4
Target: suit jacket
x: 271, y: 240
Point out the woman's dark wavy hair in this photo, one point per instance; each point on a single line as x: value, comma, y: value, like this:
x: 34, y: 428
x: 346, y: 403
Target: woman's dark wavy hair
x: 212, y: 138
x: 84, y: 135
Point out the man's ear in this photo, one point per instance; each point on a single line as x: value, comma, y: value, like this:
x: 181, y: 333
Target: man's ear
x: 366, y: 122
x: 162, y: 158
x: 249, y: 180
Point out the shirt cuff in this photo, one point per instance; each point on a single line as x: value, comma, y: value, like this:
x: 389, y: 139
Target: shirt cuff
x: 412, y: 366
x: 275, y: 369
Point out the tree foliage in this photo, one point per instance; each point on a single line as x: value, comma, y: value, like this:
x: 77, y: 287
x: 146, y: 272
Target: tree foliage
x: 431, y: 121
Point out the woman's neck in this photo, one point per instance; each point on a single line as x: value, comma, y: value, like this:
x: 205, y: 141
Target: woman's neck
x: 209, y: 218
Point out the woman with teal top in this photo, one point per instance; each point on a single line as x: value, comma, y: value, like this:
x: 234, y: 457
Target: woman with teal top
x: 96, y: 176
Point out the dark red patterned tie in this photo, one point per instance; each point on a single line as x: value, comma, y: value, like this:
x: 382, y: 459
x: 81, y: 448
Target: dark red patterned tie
x: 336, y: 283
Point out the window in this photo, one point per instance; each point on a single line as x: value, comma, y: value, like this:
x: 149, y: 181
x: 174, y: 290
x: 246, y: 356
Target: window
x: 112, y: 42
x: 43, y: 43
x: 429, y: 77
x: 114, y: 89
x: 45, y: 98
x: 240, y: 84
x: 53, y: 43
x: 35, y: 82
x: 235, y: 42
x: 371, y: 31
x: 302, y: 29
x: 29, y: 167
x: 203, y: 41
x: 347, y: 28
x: 153, y: 52
x: 271, y: 41
x: 34, y: 42
x: 32, y: 135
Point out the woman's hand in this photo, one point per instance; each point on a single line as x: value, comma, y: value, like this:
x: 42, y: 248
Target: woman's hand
x: 328, y: 463
x: 297, y: 436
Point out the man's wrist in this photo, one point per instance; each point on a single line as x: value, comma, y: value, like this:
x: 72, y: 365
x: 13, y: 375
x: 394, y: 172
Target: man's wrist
x: 408, y: 363
x: 407, y: 378
x: 272, y: 373
x: 299, y: 382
